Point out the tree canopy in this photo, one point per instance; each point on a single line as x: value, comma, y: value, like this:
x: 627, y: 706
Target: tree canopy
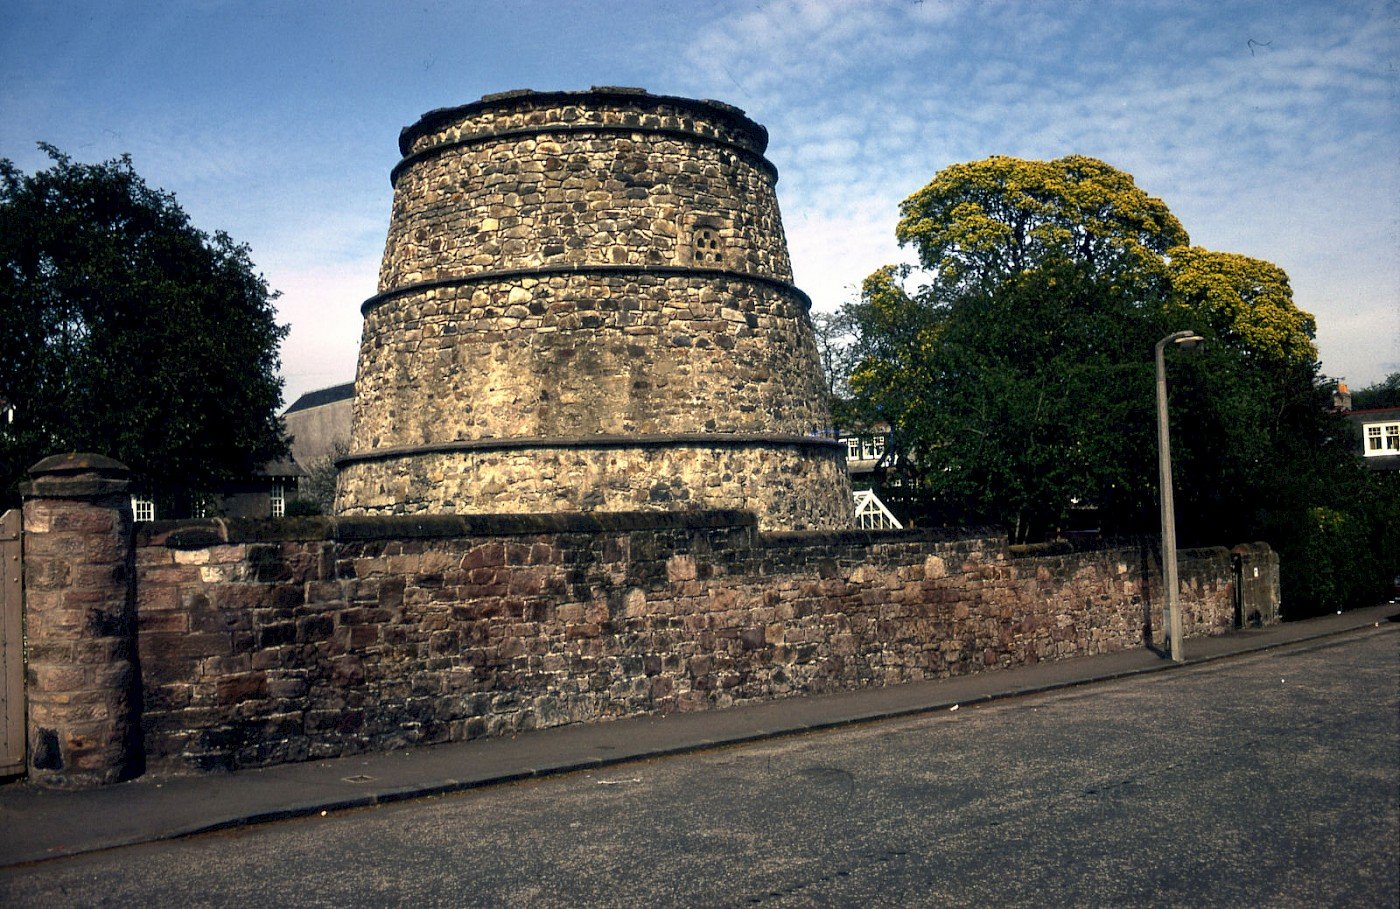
x: 1019, y: 404
x: 981, y: 221
x: 1019, y: 376
x: 1385, y: 393
x: 129, y: 332
x: 1247, y: 303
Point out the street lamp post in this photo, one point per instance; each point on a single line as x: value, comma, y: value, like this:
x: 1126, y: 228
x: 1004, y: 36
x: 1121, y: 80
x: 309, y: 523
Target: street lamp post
x: 1186, y: 340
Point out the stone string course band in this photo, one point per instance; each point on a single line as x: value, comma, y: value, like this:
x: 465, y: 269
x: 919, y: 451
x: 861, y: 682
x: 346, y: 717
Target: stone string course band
x: 782, y: 484
x: 572, y: 265
x: 576, y: 269
x: 709, y: 440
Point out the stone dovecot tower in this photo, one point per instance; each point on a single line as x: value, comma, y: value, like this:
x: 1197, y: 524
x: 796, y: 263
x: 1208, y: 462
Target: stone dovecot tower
x: 586, y: 304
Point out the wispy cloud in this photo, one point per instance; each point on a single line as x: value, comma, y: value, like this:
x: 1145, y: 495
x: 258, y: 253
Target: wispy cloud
x: 1270, y: 129
x: 322, y: 305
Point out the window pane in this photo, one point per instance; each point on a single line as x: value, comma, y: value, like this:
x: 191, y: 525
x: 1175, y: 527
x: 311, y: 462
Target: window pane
x: 143, y: 509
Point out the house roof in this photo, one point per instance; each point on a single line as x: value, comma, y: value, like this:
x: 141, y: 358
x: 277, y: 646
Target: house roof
x: 1376, y: 460
x: 323, y: 396
x: 1373, y: 414
x: 282, y: 467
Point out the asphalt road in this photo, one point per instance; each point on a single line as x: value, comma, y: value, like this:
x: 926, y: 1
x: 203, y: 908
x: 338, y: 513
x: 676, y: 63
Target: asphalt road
x: 1269, y: 780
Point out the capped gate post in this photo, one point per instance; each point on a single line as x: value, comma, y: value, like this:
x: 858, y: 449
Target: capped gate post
x: 84, y: 684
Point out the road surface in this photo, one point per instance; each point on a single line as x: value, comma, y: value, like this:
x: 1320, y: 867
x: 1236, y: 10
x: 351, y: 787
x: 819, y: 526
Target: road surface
x: 1267, y: 780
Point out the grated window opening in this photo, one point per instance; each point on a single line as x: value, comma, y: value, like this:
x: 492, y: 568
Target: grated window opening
x: 706, y: 247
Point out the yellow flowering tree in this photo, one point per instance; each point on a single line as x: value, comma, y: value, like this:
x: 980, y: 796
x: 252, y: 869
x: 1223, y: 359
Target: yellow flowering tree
x: 1246, y: 303
x: 981, y: 221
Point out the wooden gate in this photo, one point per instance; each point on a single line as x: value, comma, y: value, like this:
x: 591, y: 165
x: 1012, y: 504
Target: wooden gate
x: 11, y: 645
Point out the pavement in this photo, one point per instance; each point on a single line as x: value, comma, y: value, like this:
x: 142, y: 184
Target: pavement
x: 38, y: 824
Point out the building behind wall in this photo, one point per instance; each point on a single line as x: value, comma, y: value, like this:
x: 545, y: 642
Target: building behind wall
x: 1378, y: 432
x: 318, y: 423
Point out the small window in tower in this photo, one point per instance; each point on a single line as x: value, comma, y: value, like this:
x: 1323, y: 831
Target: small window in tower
x: 707, y: 251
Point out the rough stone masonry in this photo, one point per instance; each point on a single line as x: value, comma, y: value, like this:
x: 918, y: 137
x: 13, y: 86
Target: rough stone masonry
x: 586, y: 304
x: 587, y: 480
x: 264, y: 642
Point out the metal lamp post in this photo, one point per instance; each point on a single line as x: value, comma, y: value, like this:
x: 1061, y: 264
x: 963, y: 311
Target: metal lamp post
x: 1186, y: 340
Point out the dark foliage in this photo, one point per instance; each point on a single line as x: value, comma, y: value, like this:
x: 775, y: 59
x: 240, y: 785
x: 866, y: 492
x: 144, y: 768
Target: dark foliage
x: 128, y: 332
x: 1020, y: 384
x: 1385, y: 393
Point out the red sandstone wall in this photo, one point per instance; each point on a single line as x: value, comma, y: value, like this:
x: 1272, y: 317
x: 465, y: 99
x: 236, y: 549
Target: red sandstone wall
x: 353, y: 635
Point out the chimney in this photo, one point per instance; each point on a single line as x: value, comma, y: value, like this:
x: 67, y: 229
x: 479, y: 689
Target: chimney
x: 1341, y: 398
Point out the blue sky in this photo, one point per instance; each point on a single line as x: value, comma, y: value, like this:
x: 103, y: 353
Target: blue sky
x: 1270, y: 128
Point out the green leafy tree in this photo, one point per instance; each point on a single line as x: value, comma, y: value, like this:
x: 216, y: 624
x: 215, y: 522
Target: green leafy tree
x: 1019, y: 379
x: 318, y: 488
x: 1246, y: 303
x: 1019, y: 404
x: 126, y: 331
x: 1385, y: 393
x: 1261, y: 438
x: 1015, y: 376
x: 836, y: 345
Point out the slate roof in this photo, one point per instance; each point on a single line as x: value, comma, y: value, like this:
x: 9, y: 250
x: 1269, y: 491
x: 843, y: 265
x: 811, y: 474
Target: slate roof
x: 323, y: 396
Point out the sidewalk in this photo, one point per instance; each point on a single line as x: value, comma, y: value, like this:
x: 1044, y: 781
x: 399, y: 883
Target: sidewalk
x: 37, y: 824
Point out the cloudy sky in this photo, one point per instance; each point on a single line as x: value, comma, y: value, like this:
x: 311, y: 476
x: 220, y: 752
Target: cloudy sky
x: 1271, y: 128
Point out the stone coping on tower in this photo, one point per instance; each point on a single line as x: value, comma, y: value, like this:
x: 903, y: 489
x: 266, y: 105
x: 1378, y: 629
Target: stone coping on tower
x: 435, y: 119
x: 583, y: 268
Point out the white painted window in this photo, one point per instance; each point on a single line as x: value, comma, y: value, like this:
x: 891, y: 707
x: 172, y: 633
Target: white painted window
x: 853, y: 449
x: 1382, y: 439
x: 143, y: 508
x: 279, y: 500
x: 872, y: 447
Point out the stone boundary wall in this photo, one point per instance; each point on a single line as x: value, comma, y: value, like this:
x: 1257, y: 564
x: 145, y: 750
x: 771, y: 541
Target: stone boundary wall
x: 273, y: 641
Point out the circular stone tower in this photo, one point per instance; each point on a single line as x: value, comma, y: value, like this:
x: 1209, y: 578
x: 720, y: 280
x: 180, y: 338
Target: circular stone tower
x: 586, y: 304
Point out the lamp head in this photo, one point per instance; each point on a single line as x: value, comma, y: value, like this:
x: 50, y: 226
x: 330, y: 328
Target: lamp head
x: 1186, y: 340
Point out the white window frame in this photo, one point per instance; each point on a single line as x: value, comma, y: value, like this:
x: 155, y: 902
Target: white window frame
x: 852, y: 448
x: 278, y: 496
x: 143, y: 508
x: 1382, y: 439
